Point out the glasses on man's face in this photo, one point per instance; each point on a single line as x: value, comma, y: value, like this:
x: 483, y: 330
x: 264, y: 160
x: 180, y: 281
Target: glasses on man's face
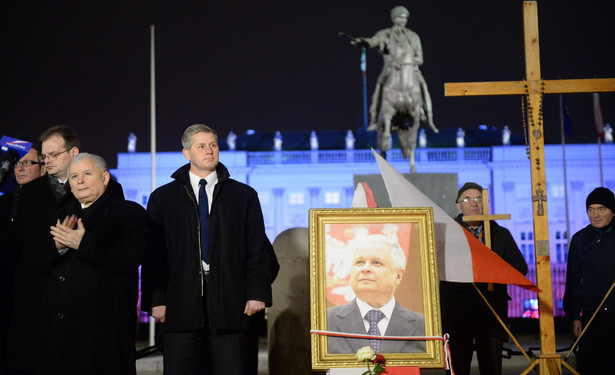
x: 469, y: 200
x: 53, y: 155
x: 26, y: 163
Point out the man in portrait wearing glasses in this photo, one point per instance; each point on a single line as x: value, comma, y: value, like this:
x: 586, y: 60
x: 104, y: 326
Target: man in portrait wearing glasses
x: 27, y: 172
x: 465, y: 316
x: 589, y: 275
x: 59, y: 145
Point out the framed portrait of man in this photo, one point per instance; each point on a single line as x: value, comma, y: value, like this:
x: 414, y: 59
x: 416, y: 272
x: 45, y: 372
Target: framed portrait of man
x: 374, y: 274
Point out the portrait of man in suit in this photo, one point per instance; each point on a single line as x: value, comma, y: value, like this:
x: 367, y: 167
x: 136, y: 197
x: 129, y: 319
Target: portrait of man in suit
x: 377, y: 268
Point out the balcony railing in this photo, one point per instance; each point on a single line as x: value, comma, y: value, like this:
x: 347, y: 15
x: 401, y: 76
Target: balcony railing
x: 475, y: 154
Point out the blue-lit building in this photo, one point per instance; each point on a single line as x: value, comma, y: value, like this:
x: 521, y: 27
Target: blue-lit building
x: 296, y: 171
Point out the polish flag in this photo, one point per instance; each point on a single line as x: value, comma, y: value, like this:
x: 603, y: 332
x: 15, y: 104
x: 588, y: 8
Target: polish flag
x: 461, y: 257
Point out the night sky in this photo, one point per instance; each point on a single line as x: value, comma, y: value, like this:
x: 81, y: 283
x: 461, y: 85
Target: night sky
x: 276, y: 65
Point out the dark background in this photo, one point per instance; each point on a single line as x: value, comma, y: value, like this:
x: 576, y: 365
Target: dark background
x: 276, y: 65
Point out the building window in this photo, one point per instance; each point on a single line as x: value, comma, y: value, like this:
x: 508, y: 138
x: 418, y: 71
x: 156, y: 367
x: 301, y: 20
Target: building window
x: 296, y: 198
x: 332, y: 198
x: 264, y: 199
x: 557, y: 191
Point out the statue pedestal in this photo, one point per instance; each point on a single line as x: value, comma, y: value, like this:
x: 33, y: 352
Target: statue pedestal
x: 288, y: 320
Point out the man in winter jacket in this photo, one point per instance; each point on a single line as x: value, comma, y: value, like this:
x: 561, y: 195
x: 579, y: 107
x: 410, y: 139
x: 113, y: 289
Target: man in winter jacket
x: 210, y: 267
x: 589, y: 275
x: 465, y: 316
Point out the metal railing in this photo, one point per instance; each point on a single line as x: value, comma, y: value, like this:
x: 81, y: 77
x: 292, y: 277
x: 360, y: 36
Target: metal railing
x: 365, y: 156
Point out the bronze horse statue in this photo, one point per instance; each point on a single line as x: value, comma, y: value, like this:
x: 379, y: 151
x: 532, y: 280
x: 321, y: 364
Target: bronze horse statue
x: 401, y: 100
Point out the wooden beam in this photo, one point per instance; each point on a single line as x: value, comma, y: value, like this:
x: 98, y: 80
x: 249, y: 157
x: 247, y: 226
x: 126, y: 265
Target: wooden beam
x: 483, y: 217
x: 518, y: 87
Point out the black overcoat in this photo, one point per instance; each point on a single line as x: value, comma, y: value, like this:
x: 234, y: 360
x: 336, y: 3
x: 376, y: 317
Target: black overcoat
x: 31, y: 241
x: 89, y: 307
x: 241, y: 257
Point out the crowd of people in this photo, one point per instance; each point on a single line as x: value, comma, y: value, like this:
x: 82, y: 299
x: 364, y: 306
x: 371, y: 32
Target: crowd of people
x: 73, y: 246
x: 72, y: 251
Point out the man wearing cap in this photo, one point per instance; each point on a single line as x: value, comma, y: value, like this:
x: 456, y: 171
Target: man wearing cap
x: 465, y: 316
x: 590, y: 274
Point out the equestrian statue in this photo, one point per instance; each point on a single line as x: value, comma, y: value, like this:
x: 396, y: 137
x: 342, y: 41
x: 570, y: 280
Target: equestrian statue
x: 401, y: 92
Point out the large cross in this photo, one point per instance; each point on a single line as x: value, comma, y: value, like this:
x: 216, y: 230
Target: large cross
x: 533, y: 87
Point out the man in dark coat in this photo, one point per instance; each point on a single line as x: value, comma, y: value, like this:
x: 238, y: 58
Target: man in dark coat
x: 59, y: 145
x: 27, y: 170
x: 89, y: 305
x: 209, y: 269
x: 465, y: 316
x: 589, y: 275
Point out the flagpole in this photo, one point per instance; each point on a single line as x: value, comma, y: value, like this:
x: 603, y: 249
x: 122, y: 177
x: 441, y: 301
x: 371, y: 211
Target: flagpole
x: 563, y: 136
x: 364, y: 74
x: 152, y: 322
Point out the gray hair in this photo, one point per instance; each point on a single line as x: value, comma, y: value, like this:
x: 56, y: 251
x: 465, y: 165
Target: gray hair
x: 99, y: 162
x: 192, y: 130
x: 397, y: 253
x: 399, y: 10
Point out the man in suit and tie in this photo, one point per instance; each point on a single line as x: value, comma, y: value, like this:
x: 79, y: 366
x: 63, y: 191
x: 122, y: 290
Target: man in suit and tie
x: 377, y: 268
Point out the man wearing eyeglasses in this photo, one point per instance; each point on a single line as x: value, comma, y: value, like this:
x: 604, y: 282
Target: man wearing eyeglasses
x: 590, y: 273
x: 465, y: 316
x: 28, y: 169
x: 59, y: 145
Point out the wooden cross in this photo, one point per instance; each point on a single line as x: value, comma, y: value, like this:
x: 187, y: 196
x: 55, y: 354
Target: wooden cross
x: 539, y: 197
x: 534, y: 88
x: 486, y: 219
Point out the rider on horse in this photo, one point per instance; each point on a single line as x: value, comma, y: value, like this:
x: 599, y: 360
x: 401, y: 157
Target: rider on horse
x: 398, y: 45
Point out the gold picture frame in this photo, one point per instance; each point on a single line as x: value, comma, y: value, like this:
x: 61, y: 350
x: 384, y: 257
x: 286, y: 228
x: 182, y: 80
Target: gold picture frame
x: 338, y: 240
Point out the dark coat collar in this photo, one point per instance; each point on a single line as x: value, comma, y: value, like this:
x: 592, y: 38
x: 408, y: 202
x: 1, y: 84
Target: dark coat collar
x: 181, y: 175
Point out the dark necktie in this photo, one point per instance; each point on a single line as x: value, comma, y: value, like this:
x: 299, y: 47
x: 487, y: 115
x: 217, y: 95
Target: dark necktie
x: 204, y: 221
x: 59, y: 190
x: 374, y: 316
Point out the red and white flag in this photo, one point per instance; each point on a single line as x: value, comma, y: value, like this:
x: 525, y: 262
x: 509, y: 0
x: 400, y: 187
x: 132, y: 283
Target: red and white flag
x: 461, y: 257
x: 598, y: 116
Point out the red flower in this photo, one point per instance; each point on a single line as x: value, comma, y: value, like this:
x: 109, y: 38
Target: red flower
x: 379, y: 360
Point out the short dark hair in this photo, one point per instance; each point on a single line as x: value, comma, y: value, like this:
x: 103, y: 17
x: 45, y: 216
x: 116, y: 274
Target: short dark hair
x: 37, y: 148
x: 71, y: 139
